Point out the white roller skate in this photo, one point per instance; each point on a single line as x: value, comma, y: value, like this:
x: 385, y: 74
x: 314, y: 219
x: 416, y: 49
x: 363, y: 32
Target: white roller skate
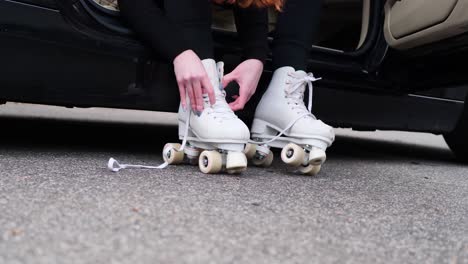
x: 214, y: 138
x: 283, y: 121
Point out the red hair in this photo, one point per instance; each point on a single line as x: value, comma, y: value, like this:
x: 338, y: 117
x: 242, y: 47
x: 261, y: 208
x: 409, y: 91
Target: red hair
x: 277, y: 4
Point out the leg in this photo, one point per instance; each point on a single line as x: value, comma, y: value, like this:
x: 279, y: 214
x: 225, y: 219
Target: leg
x: 295, y: 32
x: 193, y: 19
x: 215, y: 137
x: 171, y: 27
x: 282, y: 120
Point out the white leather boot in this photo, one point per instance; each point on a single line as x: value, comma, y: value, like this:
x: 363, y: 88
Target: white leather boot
x: 216, y: 131
x: 281, y: 118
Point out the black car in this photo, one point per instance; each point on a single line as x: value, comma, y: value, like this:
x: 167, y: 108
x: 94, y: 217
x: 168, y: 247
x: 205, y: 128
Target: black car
x: 396, y: 65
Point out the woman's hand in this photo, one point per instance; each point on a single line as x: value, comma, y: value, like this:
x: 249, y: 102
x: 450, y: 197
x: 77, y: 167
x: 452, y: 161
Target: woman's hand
x: 192, y: 80
x: 247, y: 75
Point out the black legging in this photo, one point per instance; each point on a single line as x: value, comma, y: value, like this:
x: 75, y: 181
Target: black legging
x: 173, y: 26
x: 185, y: 24
x: 295, y: 33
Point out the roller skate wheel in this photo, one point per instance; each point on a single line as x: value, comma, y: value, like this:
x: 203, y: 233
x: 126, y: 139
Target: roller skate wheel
x: 236, y: 161
x: 310, y: 170
x: 293, y: 155
x: 210, y: 162
x: 265, y: 161
x: 250, y: 150
x: 317, y: 156
x: 171, y: 155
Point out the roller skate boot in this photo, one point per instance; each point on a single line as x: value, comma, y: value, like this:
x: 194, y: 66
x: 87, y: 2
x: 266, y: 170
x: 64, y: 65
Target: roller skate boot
x: 214, y: 138
x: 283, y: 121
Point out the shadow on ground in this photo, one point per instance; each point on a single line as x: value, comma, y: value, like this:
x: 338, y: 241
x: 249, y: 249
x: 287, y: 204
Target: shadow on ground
x: 372, y: 149
x: 91, y: 136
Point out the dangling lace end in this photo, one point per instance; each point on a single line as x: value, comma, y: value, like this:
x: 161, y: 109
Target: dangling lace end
x: 113, y: 165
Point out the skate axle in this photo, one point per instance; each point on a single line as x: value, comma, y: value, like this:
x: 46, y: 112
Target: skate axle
x: 205, y: 161
x: 289, y: 153
x: 260, y: 156
x: 191, y: 151
x: 263, y: 150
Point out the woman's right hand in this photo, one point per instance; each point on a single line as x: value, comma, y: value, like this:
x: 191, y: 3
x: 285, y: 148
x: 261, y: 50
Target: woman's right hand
x: 192, y: 80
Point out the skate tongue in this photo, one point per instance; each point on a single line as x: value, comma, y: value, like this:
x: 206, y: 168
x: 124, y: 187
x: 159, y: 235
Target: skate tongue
x: 221, y: 108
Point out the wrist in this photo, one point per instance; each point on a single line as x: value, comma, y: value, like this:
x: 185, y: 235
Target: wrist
x: 256, y: 63
x: 182, y: 54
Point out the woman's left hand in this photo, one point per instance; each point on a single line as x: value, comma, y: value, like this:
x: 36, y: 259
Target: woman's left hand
x: 247, y: 75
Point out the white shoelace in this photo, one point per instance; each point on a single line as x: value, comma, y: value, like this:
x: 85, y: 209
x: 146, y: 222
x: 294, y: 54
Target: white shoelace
x: 220, y: 109
x: 295, y: 92
x: 295, y: 96
x: 115, y: 166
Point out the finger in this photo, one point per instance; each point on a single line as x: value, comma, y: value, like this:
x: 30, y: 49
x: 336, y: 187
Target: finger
x: 232, y: 105
x: 191, y: 94
x: 198, y: 94
x: 208, y: 88
x: 183, y: 95
x: 228, y: 78
x: 238, y: 104
x: 235, y: 96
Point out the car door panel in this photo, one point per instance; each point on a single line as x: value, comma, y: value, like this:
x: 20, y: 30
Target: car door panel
x: 408, y: 17
x: 414, y: 23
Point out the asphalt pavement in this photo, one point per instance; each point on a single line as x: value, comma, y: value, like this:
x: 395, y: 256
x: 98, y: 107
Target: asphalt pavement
x: 382, y: 197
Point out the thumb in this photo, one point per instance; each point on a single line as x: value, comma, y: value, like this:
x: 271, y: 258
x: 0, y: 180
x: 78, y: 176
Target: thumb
x: 228, y: 78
